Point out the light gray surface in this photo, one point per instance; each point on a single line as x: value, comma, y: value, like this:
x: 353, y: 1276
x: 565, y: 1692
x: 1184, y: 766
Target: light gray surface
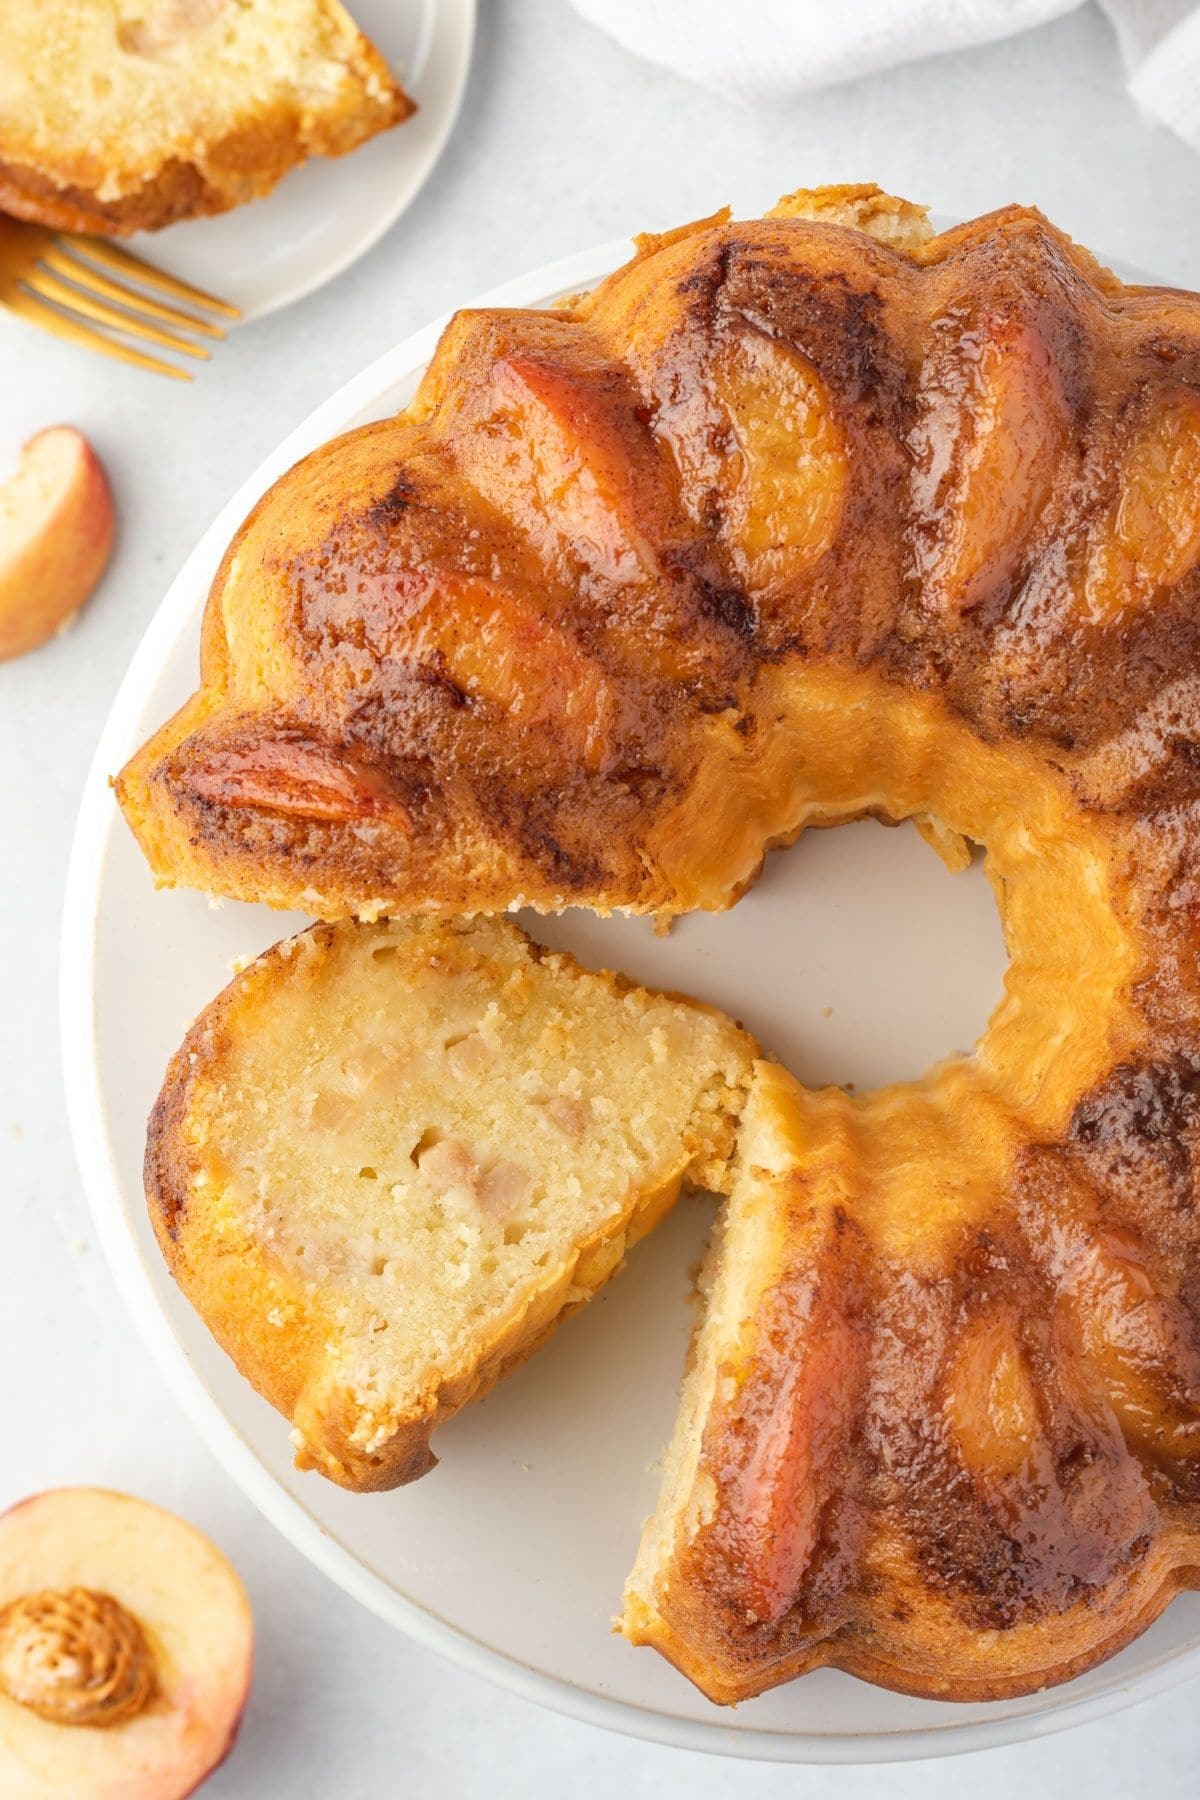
x: 564, y: 142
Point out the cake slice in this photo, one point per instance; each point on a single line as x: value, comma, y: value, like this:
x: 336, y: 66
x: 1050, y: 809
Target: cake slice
x: 125, y: 115
x: 389, y: 1158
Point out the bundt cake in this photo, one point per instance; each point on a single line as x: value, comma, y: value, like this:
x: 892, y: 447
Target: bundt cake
x: 125, y: 115
x: 790, y: 522
x: 388, y: 1159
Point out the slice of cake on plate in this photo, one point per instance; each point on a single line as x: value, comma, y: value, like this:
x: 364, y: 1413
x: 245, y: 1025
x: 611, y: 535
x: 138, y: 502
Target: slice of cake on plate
x: 124, y: 115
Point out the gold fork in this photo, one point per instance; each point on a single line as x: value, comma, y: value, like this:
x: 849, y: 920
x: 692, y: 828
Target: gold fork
x: 56, y: 280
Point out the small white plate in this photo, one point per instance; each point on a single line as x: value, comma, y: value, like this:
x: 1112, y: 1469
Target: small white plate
x: 510, y: 1557
x: 329, y: 212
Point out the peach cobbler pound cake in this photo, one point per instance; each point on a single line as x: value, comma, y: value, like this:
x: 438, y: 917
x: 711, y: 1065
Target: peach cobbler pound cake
x: 791, y: 521
x: 388, y: 1160
x: 125, y: 115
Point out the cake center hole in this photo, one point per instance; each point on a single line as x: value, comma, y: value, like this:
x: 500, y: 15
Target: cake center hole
x: 857, y: 959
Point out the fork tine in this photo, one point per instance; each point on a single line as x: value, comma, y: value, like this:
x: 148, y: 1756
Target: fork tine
x: 109, y: 257
x: 76, y: 301
x: 91, y: 279
x: 26, y: 306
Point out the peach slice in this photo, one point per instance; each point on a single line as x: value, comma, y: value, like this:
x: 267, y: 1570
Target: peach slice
x: 986, y: 455
x: 1151, y: 536
x: 569, y: 459
x: 494, y: 645
x: 753, y: 430
x: 125, y: 1650
x: 288, y: 773
x: 56, y: 532
x: 991, y: 1403
x: 1140, y: 1344
x: 797, y: 1402
x: 786, y: 476
x: 791, y: 1472
x: 502, y: 650
x: 555, y: 461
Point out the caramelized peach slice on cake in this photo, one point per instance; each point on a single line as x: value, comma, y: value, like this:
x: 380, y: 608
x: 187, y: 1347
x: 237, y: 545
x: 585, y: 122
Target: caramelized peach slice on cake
x: 285, y: 770
x: 499, y: 647
x: 991, y: 1402
x: 565, y: 453
x: 1054, y: 1497
x: 760, y: 454
x: 550, y: 454
x: 992, y: 431
x: 783, y: 1460
x: 1141, y: 1344
x: 1150, y: 536
x: 785, y: 471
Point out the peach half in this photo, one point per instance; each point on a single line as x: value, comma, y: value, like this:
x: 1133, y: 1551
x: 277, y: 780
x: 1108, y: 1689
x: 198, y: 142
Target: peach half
x: 125, y: 1650
x: 56, y: 533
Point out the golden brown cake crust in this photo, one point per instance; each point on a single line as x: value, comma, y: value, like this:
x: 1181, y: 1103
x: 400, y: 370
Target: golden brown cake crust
x: 98, y: 183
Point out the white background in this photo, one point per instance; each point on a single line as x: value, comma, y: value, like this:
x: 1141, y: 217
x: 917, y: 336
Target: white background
x: 564, y: 141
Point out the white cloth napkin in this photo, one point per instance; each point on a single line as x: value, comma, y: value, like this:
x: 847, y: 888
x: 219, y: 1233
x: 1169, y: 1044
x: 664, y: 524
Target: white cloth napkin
x: 762, y: 50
